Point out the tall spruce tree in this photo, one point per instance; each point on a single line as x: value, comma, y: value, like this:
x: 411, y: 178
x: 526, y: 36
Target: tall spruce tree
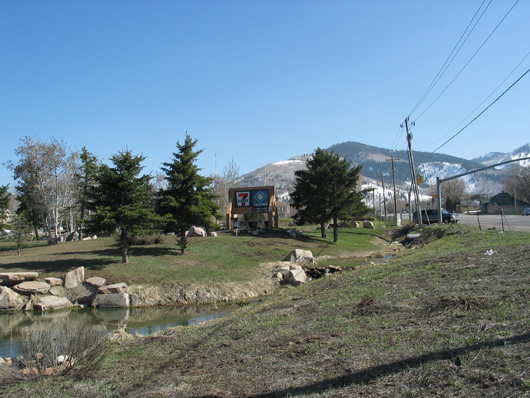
x: 4, y: 205
x: 28, y: 209
x: 327, y: 190
x: 20, y: 231
x: 188, y: 199
x: 122, y: 201
x: 86, y: 180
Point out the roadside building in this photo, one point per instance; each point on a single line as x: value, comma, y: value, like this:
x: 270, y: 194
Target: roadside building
x: 505, y: 202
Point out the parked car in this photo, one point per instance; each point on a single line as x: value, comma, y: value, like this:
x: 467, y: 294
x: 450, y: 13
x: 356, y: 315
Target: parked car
x: 431, y: 216
x: 526, y: 212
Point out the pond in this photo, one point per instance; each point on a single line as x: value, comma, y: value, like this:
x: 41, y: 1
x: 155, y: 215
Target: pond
x: 142, y: 321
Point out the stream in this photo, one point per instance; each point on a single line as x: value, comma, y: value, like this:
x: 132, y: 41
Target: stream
x: 142, y: 321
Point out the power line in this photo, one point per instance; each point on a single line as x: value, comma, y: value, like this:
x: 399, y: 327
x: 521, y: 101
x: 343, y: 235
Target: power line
x: 396, y: 138
x: 451, y: 57
x: 481, y: 113
x: 470, y: 59
x: 479, y: 105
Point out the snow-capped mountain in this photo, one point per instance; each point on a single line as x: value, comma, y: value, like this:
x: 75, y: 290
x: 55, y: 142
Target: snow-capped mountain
x: 377, y: 167
x: 497, y: 157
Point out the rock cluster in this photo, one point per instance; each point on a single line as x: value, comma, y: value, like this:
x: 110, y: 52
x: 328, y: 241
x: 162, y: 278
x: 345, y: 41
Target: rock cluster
x: 301, y: 269
x: 300, y: 256
x: 34, y: 367
x: 319, y: 272
x: 22, y: 291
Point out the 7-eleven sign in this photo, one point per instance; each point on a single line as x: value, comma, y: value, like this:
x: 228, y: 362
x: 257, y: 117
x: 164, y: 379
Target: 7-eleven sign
x: 243, y: 199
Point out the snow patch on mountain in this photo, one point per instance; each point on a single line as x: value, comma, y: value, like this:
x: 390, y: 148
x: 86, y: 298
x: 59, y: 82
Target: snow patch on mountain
x: 289, y: 162
x: 497, y: 157
x: 439, y: 169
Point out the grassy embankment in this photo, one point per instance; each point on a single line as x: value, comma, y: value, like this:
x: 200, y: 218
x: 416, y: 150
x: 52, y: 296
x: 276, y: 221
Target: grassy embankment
x: 225, y: 258
x: 447, y: 320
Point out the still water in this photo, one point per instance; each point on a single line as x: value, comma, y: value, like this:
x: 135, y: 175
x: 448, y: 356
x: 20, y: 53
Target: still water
x: 142, y: 321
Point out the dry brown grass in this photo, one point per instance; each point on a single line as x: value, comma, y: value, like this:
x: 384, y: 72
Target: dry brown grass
x: 448, y: 321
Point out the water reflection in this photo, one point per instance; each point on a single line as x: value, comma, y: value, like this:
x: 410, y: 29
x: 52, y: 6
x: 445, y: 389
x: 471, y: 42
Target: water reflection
x: 142, y: 321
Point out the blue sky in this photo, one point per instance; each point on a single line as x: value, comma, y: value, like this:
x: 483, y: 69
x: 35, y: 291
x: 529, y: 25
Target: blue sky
x: 259, y: 81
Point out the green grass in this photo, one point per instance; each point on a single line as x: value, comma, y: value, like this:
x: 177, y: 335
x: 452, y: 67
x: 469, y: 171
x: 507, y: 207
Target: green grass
x: 225, y: 258
x: 446, y: 320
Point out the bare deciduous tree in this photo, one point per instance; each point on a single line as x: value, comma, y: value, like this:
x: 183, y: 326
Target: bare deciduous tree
x: 452, y: 192
x: 518, y: 184
x: 46, y: 175
x: 221, y: 184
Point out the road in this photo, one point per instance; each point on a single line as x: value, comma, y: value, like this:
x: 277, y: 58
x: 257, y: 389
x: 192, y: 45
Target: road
x: 515, y: 223
x: 511, y: 222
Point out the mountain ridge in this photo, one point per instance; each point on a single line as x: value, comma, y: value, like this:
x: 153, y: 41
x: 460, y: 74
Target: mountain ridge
x: 377, y: 165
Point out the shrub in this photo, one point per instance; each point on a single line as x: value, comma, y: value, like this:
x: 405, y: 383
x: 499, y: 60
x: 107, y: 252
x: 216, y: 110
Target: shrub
x: 157, y: 238
x: 64, y: 343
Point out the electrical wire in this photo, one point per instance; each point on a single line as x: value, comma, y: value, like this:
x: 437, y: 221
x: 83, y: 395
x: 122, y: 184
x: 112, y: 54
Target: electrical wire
x: 396, y: 138
x: 451, y: 57
x: 470, y: 59
x: 479, y: 105
x: 481, y: 113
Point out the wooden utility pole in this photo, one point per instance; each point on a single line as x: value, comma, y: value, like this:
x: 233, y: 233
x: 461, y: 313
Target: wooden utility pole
x: 413, y: 174
x: 384, y: 197
x: 396, y: 222
x: 395, y: 195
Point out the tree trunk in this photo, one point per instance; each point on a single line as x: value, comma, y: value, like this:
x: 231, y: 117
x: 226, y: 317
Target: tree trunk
x: 183, y: 242
x: 322, y: 229
x: 335, y: 229
x: 124, y: 254
x: 46, y: 229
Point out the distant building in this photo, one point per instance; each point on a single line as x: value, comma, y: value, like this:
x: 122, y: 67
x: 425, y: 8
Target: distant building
x: 473, y: 203
x: 506, y: 202
x: 284, y: 210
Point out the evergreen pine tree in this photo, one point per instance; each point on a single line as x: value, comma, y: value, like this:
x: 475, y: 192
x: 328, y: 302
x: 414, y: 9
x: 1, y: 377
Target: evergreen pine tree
x: 86, y: 179
x: 4, y: 205
x: 20, y: 231
x: 188, y: 199
x: 327, y: 190
x: 122, y: 201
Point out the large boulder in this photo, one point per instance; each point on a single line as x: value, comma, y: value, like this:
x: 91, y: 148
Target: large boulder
x: 32, y: 287
x: 73, y: 237
x: 74, y: 278
x: 368, y: 224
x: 83, y: 293
x: 13, y: 278
x: 113, y: 289
x: 10, y: 300
x: 296, y: 277
x: 118, y: 300
x: 96, y: 281
x: 300, y: 256
x: 196, y: 231
x: 58, y: 291
x: 51, y: 303
x: 295, y: 233
x: 54, y: 281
